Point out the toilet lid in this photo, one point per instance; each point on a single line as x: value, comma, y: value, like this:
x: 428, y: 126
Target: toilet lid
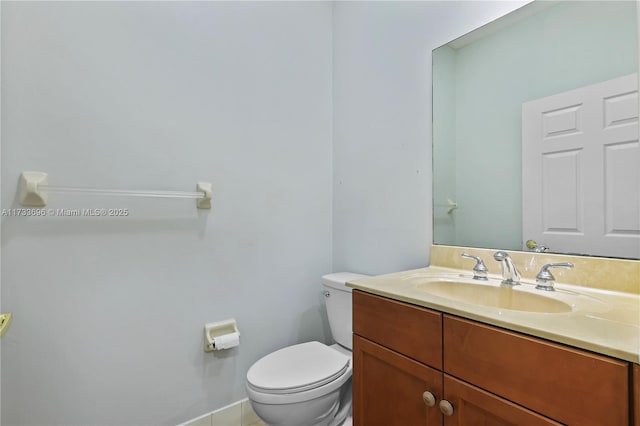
x: 297, y: 368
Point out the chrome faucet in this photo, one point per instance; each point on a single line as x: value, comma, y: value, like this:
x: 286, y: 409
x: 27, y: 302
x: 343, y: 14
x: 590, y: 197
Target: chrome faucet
x: 480, y: 270
x: 510, y: 275
x: 545, y: 279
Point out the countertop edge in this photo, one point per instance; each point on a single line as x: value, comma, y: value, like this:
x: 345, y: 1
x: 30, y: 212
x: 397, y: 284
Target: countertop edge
x: 508, y: 325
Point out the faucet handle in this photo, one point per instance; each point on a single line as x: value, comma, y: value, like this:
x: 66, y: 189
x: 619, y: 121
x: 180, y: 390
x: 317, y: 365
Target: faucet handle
x: 480, y: 270
x: 545, y: 278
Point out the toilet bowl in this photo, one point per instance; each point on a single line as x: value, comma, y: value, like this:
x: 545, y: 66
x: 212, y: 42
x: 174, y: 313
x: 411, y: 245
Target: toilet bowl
x: 309, y: 384
x: 299, y: 385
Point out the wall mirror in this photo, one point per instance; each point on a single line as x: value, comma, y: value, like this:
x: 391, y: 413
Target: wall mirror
x: 535, y: 131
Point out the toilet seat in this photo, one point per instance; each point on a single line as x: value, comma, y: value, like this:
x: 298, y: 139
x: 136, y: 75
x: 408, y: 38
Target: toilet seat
x: 297, y: 368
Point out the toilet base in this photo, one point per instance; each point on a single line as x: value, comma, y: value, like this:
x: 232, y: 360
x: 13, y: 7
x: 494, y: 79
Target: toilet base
x: 297, y: 414
x: 346, y: 400
x: 347, y: 422
x: 333, y: 409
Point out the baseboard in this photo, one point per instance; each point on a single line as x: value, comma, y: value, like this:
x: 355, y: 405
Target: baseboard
x: 239, y: 413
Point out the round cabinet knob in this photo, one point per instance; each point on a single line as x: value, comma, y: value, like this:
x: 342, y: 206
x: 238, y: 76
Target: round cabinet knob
x: 446, y: 407
x: 429, y: 399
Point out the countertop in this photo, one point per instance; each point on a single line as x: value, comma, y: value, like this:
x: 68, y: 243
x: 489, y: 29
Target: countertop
x: 602, y: 321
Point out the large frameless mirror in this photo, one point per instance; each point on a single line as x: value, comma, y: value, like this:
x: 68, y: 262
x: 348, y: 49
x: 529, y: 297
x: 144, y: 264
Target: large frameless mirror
x: 535, y: 132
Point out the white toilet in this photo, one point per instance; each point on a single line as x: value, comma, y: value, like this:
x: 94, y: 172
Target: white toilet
x: 309, y: 384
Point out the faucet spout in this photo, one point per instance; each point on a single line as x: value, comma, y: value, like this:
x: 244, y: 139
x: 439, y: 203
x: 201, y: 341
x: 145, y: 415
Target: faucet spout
x: 510, y: 274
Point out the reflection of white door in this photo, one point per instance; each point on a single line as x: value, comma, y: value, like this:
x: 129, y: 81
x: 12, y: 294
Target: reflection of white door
x: 581, y: 170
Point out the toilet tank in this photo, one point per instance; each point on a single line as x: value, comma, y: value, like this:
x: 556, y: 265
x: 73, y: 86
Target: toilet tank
x: 338, y: 303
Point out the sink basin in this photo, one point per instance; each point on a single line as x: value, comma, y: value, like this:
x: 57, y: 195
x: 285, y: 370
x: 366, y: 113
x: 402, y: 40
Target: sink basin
x: 497, y: 296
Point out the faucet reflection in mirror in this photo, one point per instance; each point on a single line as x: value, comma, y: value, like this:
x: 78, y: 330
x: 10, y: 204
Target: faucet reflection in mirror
x: 533, y: 245
x: 480, y: 83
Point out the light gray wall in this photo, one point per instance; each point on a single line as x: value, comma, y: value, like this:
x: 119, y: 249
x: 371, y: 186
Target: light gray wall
x: 382, y: 126
x: 108, y: 313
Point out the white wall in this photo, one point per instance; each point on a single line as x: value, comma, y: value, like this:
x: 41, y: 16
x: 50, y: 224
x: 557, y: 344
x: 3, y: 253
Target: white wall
x: 0, y: 206
x: 382, y: 126
x: 108, y: 313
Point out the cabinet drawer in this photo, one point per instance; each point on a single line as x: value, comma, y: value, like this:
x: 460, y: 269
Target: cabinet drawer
x: 411, y: 330
x: 569, y: 385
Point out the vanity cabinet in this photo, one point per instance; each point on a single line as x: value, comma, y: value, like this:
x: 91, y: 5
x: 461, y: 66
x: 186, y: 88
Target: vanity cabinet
x: 408, y: 360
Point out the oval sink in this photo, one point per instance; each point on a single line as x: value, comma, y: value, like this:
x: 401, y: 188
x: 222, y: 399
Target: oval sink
x: 503, y: 297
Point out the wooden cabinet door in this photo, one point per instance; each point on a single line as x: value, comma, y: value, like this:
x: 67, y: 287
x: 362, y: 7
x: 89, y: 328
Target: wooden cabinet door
x: 474, y: 406
x: 635, y: 394
x: 388, y: 388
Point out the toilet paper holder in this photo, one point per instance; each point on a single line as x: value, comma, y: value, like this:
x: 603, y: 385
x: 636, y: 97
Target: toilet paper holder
x: 221, y: 335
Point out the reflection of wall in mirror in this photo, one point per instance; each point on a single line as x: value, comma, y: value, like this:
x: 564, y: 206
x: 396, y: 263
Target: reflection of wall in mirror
x: 569, y: 45
x: 444, y: 169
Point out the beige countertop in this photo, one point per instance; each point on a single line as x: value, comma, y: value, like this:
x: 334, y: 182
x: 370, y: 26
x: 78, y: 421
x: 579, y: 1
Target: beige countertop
x: 600, y: 320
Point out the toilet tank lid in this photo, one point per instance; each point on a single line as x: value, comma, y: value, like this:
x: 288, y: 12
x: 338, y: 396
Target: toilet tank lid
x: 338, y: 279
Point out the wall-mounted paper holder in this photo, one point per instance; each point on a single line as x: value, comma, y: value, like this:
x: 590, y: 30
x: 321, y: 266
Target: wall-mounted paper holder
x: 221, y: 335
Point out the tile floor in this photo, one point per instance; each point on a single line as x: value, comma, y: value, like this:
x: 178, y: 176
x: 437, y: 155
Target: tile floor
x: 238, y: 414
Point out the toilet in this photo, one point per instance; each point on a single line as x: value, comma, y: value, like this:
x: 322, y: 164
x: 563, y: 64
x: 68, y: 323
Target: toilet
x: 309, y: 384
